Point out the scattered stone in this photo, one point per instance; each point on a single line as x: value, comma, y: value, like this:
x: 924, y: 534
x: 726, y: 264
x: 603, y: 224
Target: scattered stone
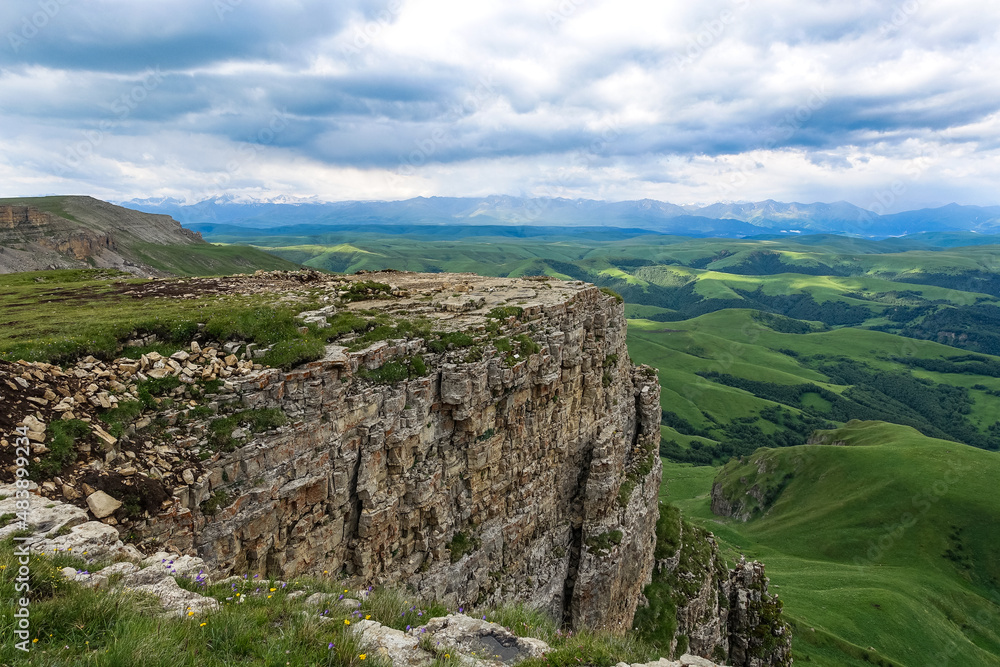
x: 102, y: 505
x: 175, y: 600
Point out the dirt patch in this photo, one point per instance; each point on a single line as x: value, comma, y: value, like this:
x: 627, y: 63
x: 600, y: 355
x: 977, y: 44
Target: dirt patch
x: 137, y: 493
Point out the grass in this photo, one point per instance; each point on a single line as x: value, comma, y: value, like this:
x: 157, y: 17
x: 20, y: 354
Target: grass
x: 220, y: 431
x: 396, y: 370
x: 75, y: 625
x: 62, y: 436
x: 257, y: 624
x: 860, y: 557
x: 60, y: 316
x: 210, y: 260
x: 739, y: 343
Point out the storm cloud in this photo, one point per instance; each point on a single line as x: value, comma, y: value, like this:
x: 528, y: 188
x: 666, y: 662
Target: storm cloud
x: 684, y: 102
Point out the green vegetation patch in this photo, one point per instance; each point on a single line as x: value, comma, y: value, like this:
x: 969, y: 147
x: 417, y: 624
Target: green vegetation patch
x: 75, y: 625
x: 516, y: 349
x: 364, y: 290
x: 862, y: 544
x: 603, y: 544
x: 462, y: 543
x: 396, y: 370
x: 61, y: 438
x: 61, y: 316
x: 220, y: 431
x: 505, y: 312
x: 615, y: 295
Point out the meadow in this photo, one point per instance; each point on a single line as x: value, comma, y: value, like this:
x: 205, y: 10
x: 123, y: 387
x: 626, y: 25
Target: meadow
x: 882, y: 548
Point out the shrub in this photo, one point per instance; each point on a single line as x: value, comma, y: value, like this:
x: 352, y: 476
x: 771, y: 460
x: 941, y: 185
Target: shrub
x: 505, y: 312
x: 62, y: 447
x: 395, y: 371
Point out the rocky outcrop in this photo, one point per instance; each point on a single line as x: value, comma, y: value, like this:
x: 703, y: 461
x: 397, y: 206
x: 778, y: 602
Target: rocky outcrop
x: 530, y: 477
x: 746, y: 488
x: 758, y: 636
x: 696, y: 604
x: 82, y: 232
x: 12, y: 217
x: 518, y: 465
x: 470, y: 641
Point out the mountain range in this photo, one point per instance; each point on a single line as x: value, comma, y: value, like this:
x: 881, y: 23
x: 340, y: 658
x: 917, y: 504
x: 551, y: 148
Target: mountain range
x: 739, y: 219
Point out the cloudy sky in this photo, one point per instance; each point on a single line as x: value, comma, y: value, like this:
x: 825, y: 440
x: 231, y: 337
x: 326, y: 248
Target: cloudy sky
x: 891, y: 105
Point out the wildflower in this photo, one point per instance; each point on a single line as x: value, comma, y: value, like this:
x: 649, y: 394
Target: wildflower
x: 273, y: 589
x: 368, y: 616
x: 35, y: 640
x: 347, y: 621
x: 330, y: 645
x: 203, y: 625
x: 363, y: 656
x: 190, y: 613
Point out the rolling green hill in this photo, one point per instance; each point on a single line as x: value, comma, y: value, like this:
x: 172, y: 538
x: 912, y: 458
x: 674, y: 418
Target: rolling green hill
x: 734, y: 380
x: 881, y: 546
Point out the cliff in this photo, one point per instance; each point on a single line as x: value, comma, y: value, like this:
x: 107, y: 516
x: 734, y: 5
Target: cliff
x: 480, y: 481
x: 513, y: 459
x: 476, y: 440
x: 79, y: 232
x: 695, y: 604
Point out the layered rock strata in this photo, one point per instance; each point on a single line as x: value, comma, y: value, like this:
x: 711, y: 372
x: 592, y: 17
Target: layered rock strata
x: 520, y: 467
x: 528, y: 478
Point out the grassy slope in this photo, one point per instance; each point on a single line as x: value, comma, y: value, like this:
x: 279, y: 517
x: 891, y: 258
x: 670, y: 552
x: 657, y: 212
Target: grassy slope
x: 855, y: 545
x: 210, y: 260
x: 731, y: 341
x: 173, y: 252
x: 60, y: 315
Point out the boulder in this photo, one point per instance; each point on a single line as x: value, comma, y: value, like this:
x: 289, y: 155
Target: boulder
x: 44, y: 516
x: 175, y: 600
x: 102, y: 505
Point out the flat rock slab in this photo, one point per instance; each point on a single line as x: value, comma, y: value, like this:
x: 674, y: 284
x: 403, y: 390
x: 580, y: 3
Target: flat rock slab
x: 102, y: 505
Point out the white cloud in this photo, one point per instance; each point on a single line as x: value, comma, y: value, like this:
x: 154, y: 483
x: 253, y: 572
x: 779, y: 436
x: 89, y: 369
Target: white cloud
x: 725, y: 99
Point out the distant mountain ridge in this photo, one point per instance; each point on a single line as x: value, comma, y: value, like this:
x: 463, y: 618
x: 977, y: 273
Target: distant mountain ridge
x: 721, y: 219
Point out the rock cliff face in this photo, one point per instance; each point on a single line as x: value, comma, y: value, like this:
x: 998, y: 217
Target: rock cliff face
x: 78, y: 232
x: 696, y: 605
x: 12, y: 217
x: 526, y: 475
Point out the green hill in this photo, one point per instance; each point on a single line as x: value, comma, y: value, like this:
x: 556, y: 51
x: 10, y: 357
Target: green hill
x: 881, y: 546
x: 735, y: 380
x: 45, y: 233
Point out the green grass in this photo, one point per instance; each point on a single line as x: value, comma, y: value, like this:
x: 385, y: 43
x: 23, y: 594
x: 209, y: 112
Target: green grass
x: 59, y: 316
x: 210, y: 260
x: 257, y: 624
x: 220, y: 431
x: 861, y: 544
x: 62, y: 437
x: 75, y: 625
x: 739, y: 343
